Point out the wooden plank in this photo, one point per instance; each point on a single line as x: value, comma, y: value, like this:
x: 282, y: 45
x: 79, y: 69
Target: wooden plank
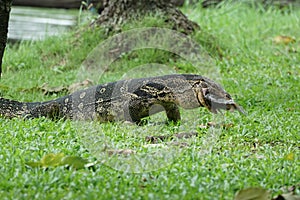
x: 35, y: 24
x: 52, y: 3
x: 49, y: 3
x: 43, y: 12
x: 42, y: 20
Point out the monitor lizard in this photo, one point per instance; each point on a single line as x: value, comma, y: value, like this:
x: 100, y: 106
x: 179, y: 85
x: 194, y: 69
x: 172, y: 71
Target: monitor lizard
x: 129, y: 100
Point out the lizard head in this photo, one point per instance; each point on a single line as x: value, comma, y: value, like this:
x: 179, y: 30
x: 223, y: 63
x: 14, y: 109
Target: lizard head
x: 212, y: 96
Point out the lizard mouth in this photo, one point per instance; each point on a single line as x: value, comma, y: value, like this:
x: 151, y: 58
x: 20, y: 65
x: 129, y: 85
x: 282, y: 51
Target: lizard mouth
x: 215, y: 103
x: 230, y: 105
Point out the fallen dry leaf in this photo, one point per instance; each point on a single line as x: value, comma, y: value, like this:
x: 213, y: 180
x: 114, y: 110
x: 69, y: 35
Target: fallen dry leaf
x: 203, y: 126
x: 157, y: 138
x: 77, y: 86
x: 282, y: 39
x: 161, y: 138
x: 63, y: 89
x: 212, y: 124
x: 179, y: 144
x: 186, y: 135
x: 155, y: 146
x: 260, y: 157
x: 224, y: 126
x: 52, y: 90
x: 125, y: 152
x: 254, y: 193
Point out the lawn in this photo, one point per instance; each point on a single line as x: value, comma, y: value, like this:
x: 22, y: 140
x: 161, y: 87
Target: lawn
x: 242, y: 48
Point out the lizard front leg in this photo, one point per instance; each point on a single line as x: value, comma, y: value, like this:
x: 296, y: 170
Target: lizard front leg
x: 141, y: 110
x: 172, y: 112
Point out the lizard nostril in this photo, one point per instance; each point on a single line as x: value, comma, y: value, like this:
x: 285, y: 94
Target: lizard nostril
x: 228, y: 96
x: 205, y: 91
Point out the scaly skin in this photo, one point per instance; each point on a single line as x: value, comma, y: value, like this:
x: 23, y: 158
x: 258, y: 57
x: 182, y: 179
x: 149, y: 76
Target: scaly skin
x: 129, y: 100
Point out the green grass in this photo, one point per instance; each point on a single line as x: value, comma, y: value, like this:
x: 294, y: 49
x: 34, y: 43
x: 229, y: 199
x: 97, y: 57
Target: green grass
x: 260, y: 149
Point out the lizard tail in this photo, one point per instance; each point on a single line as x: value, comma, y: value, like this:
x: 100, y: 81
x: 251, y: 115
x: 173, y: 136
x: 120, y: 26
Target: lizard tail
x: 10, y: 109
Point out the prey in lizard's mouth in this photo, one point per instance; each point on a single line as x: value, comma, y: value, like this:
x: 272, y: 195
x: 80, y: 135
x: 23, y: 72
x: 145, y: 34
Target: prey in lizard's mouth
x: 215, y: 98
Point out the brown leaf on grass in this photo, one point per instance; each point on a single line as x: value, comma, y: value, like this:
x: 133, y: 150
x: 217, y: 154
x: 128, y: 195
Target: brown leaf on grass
x: 155, y: 146
x: 282, y: 39
x: 260, y: 156
x: 290, y: 109
x: 224, y: 126
x: 77, y: 86
x: 161, y: 138
x: 212, y: 124
x: 180, y: 144
x: 254, y: 193
x: 203, y: 126
x: 186, y: 135
x: 52, y: 90
x: 167, y: 145
x: 157, y: 138
x: 125, y: 152
x: 61, y: 89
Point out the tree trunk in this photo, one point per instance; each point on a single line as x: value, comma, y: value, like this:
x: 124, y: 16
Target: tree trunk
x: 4, y: 16
x: 116, y: 12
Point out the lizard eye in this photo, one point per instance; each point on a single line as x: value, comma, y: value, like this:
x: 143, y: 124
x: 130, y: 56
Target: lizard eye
x: 203, y: 85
